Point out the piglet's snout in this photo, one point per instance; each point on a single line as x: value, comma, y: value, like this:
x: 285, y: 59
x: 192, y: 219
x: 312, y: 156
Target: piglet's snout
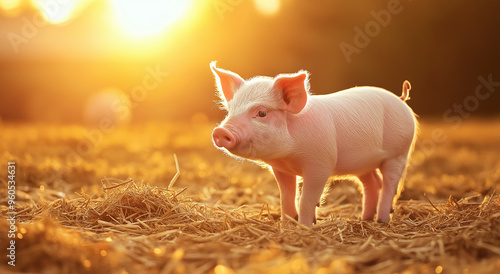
x: 223, y: 138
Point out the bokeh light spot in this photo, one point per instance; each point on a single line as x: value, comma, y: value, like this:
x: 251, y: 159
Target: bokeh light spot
x: 267, y: 7
x: 157, y: 251
x: 108, y: 105
x: 221, y: 269
x: 87, y: 264
x: 178, y: 254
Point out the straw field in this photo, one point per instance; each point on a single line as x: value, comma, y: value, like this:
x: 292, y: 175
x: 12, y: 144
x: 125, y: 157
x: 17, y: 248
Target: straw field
x: 90, y: 200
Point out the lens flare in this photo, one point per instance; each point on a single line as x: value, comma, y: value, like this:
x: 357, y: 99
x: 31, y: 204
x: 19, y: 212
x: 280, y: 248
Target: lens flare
x: 57, y: 12
x: 147, y: 18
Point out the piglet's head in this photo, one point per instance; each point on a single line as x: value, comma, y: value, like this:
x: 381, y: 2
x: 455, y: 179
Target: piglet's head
x: 258, y: 111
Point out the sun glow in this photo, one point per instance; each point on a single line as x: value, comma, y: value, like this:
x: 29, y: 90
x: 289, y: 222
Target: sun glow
x: 147, y: 18
x: 57, y: 12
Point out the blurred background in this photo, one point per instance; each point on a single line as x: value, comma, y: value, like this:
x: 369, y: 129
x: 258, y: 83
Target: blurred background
x: 76, y: 61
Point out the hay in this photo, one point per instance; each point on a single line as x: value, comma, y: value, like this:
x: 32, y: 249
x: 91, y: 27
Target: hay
x: 139, y: 227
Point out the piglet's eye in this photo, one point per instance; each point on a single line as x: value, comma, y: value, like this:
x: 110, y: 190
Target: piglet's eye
x: 262, y: 113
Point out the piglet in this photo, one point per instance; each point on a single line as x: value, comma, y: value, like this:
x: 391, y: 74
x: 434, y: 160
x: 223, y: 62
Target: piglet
x: 366, y: 132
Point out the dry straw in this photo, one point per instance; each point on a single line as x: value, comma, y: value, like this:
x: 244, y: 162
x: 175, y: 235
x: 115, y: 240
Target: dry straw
x: 136, y: 228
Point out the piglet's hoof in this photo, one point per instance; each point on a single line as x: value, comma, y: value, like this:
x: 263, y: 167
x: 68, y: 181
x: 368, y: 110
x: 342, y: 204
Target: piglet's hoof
x: 382, y: 221
x: 297, y: 219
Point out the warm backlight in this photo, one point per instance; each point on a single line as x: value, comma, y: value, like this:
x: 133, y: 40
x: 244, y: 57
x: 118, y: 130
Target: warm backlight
x: 147, y: 18
x: 57, y: 12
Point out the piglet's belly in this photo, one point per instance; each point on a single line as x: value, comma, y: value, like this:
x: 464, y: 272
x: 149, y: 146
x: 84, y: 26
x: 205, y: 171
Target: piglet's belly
x: 358, y: 163
x: 354, y: 163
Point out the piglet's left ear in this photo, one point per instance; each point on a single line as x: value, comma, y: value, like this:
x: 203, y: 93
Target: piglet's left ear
x: 294, y: 89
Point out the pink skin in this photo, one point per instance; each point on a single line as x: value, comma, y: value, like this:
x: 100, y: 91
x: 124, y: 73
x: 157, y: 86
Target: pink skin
x: 366, y: 132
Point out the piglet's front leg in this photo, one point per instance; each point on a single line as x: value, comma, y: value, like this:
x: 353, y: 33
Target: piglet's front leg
x: 287, y: 186
x: 314, y: 184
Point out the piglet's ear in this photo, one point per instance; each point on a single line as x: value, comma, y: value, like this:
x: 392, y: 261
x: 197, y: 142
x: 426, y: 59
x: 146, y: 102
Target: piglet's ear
x: 227, y: 82
x: 294, y: 89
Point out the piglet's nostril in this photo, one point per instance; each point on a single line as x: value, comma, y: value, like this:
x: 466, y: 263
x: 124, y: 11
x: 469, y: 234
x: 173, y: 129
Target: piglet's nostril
x: 223, y: 138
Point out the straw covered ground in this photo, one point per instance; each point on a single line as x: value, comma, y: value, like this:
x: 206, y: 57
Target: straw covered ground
x: 94, y: 201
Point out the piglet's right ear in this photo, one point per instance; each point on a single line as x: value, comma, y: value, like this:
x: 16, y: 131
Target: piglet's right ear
x: 294, y: 89
x: 227, y: 82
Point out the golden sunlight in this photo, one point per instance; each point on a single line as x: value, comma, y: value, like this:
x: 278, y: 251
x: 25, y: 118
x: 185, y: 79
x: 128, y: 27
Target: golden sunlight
x: 147, y: 18
x: 267, y: 7
x: 10, y: 7
x: 55, y: 12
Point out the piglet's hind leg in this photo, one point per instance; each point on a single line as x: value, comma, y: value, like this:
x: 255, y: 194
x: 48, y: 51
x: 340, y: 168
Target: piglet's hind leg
x: 371, y: 189
x: 392, y: 171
